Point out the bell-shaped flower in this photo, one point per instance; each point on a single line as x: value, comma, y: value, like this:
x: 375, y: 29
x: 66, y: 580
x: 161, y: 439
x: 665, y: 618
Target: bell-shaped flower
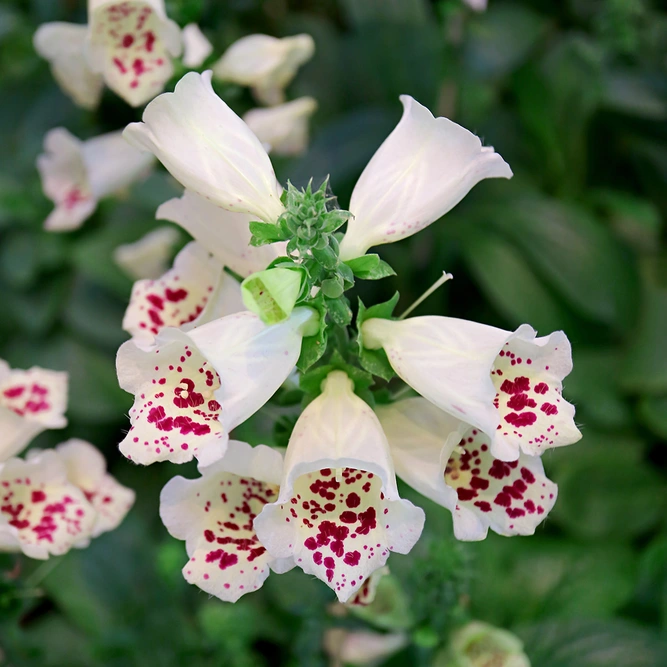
x: 196, y: 47
x: 196, y: 290
x: 221, y: 232
x: 30, y: 402
x: 266, y: 64
x: 451, y: 463
x: 77, y: 174
x: 191, y: 389
x: 479, y: 644
x: 209, y: 149
x: 283, y: 129
x: 87, y: 470
x: 64, y: 46
x: 477, y: 5
x: 149, y: 256
x: 42, y: 513
x: 338, y: 513
x: 507, y: 384
x: 214, y: 515
x: 362, y: 647
x: 131, y: 45
x: 422, y: 170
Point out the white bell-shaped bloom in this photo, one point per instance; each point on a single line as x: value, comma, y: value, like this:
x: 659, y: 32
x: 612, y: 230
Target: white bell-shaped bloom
x: 214, y: 515
x: 451, y: 463
x: 64, y: 46
x: 196, y: 290
x: 87, y: 470
x: 131, y: 45
x: 477, y: 5
x: 266, y: 64
x: 506, y: 384
x: 339, y: 513
x: 42, y: 512
x: 422, y: 170
x: 196, y: 48
x: 30, y: 402
x: 77, y: 174
x: 209, y: 149
x: 362, y: 647
x: 192, y: 388
x: 221, y: 232
x: 149, y: 256
x: 283, y: 129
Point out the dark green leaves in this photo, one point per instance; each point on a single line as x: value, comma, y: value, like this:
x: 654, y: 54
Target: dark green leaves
x: 370, y: 267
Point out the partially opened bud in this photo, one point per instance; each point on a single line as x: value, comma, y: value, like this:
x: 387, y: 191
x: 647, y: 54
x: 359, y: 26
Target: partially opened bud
x: 272, y: 294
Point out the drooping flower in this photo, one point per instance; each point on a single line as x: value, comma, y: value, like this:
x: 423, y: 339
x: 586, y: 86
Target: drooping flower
x: 30, y: 402
x: 42, y: 512
x: 196, y: 47
x: 507, y: 384
x: 362, y: 647
x: 338, y: 513
x: 477, y: 5
x: 77, y: 174
x: 283, y: 129
x: 223, y: 233
x: 266, y: 64
x: 214, y: 515
x: 64, y: 46
x: 450, y: 462
x: 149, y: 256
x: 192, y: 388
x: 422, y: 170
x: 131, y: 44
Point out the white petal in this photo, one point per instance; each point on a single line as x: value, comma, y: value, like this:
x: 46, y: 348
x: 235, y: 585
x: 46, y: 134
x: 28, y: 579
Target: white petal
x: 63, y: 45
x: 362, y: 647
x: 209, y: 149
x: 476, y: 5
x: 131, y: 44
x: 422, y: 170
x: 221, y: 232
x: 196, y: 48
x: 149, y: 256
x: 284, y: 128
x: 214, y: 515
x: 339, y: 513
x: 268, y: 64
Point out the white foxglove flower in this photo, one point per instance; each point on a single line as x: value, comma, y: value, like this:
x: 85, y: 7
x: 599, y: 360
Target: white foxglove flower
x: 64, y: 46
x: 479, y: 644
x: 477, y: 5
x: 196, y: 48
x: 214, y: 515
x: 209, y: 149
x: 131, y: 45
x: 267, y: 64
x: 87, y: 470
x: 42, y: 512
x: 221, y: 232
x: 149, y: 256
x: 339, y: 513
x: 191, y: 389
x: 362, y: 647
x: 283, y: 129
x: 77, y: 174
x: 196, y: 290
x: 422, y: 170
x: 30, y: 402
x: 451, y: 463
x: 506, y: 384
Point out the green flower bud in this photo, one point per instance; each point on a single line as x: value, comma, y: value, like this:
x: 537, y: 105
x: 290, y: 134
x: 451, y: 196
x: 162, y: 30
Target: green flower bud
x: 271, y: 294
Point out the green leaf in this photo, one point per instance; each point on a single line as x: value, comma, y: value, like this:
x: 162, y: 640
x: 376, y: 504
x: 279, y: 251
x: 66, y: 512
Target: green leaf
x: 264, y: 233
x: 310, y: 382
x: 384, y: 310
x: 370, y: 267
x: 339, y: 311
x: 653, y: 412
x: 376, y: 362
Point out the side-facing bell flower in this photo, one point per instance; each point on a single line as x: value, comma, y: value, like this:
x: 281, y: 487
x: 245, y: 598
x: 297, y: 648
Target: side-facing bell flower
x: 196, y: 47
x: 214, y: 514
x: 30, y: 402
x: 64, y: 46
x: 451, y: 463
x: 362, y: 647
x: 149, y: 256
x: 42, y: 513
x: 283, y: 129
x: 338, y: 513
x: 267, y: 64
x: 191, y: 389
x: 507, y: 384
x: 131, y: 45
x: 77, y: 174
x: 422, y: 170
x: 223, y: 233
x: 209, y: 149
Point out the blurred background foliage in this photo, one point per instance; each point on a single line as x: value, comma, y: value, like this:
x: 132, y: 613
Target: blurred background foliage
x: 573, y: 93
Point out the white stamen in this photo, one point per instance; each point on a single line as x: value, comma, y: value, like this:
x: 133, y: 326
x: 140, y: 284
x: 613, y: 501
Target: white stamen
x: 441, y: 281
